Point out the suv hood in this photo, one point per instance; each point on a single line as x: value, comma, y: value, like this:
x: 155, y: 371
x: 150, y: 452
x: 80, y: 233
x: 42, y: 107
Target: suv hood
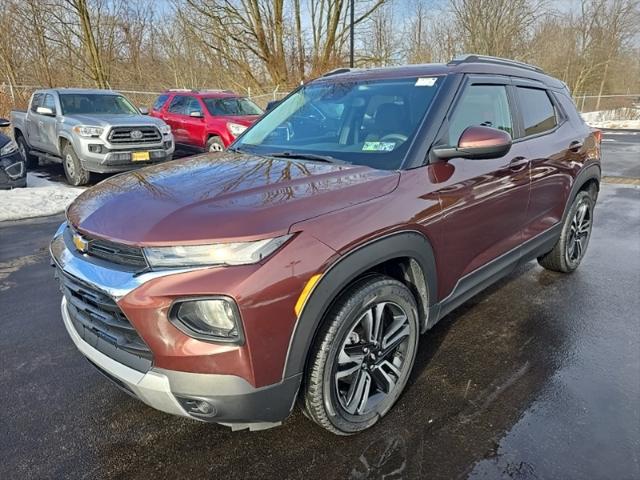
x: 224, y: 196
x: 121, y: 120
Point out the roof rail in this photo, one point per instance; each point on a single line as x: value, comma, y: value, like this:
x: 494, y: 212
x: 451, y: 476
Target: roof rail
x: 200, y: 90
x: 472, y: 58
x: 336, y: 71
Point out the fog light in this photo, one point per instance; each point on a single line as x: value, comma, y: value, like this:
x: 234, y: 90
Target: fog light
x: 15, y: 170
x: 95, y: 148
x: 215, y: 319
x: 197, y: 407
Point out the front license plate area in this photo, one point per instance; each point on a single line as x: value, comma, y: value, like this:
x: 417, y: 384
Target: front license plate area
x: 139, y: 156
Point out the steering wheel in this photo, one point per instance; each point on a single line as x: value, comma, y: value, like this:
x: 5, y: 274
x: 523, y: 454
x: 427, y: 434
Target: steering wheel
x: 394, y: 137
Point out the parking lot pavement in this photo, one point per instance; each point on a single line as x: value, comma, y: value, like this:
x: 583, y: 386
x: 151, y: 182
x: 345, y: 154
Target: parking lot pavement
x: 621, y: 153
x: 538, y: 377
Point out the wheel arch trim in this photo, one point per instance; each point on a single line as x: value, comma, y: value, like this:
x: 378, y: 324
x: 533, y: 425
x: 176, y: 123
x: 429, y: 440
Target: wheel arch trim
x: 590, y: 172
x: 405, y: 244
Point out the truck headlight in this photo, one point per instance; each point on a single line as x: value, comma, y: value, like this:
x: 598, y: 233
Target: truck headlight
x: 88, y: 130
x: 237, y: 253
x: 235, y: 129
x: 215, y: 318
x: 8, y: 148
x: 165, y: 129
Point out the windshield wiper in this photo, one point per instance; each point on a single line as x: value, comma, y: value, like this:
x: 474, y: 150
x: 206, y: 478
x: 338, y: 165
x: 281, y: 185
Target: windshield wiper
x: 306, y: 156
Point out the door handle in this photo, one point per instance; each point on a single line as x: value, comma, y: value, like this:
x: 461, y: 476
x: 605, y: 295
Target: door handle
x: 518, y: 164
x: 575, y: 146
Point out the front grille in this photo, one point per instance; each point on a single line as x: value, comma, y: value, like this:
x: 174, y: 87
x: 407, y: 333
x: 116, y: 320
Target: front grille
x: 116, y: 253
x: 100, y: 322
x: 123, y: 135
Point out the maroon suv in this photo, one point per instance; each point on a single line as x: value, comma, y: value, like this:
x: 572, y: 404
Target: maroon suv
x: 304, y: 262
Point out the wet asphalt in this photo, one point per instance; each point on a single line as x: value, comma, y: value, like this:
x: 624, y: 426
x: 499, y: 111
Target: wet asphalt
x: 538, y: 377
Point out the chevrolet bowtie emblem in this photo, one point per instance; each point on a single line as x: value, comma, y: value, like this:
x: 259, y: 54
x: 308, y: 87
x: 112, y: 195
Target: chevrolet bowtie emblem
x: 81, y: 244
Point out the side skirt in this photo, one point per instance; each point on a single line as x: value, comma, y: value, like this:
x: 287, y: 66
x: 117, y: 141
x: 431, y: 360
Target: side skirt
x: 476, y: 281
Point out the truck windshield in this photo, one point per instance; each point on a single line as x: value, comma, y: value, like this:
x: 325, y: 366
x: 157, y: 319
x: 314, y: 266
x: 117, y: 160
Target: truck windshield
x: 231, y: 106
x: 369, y: 122
x: 95, y: 104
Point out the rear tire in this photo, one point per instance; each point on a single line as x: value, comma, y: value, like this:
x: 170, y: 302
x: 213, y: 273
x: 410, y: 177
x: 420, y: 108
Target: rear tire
x: 30, y: 161
x: 73, y: 170
x: 571, y: 247
x: 215, y: 144
x: 362, y: 357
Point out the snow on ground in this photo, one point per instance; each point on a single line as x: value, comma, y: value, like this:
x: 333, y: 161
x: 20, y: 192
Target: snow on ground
x: 41, y: 197
x: 624, y: 118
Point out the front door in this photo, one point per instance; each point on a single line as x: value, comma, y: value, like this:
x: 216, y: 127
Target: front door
x: 484, y: 202
x: 48, y: 134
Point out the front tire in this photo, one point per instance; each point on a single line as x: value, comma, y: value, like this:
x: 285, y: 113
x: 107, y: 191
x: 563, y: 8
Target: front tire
x: 571, y: 247
x: 73, y: 170
x: 215, y: 144
x: 363, y: 355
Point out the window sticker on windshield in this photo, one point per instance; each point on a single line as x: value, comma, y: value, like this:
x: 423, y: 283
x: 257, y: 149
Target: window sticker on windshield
x: 426, y: 81
x: 378, y: 146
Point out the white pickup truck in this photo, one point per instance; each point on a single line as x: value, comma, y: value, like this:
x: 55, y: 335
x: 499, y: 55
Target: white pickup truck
x: 89, y: 131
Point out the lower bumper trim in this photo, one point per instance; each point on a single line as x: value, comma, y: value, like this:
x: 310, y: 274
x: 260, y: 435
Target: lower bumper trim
x: 235, y: 402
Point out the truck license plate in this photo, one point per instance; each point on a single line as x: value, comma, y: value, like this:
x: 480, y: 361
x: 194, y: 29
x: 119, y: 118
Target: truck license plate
x: 139, y: 156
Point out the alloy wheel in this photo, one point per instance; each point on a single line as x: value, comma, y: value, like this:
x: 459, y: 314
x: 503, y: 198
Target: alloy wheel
x: 579, y: 233
x: 372, y: 358
x: 215, y: 147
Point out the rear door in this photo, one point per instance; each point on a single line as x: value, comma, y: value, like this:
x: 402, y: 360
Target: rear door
x: 194, y: 127
x: 485, y: 201
x: 32, y: 120
x: 48, y: 135
x: 554, y: 146
x: 175, y: 113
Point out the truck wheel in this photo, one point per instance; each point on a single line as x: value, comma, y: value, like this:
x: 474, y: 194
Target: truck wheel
x: 76, y: 175
x: 214, y: 144
x: 363, y: 355
x: 31, y: 161
x: 569, y: 251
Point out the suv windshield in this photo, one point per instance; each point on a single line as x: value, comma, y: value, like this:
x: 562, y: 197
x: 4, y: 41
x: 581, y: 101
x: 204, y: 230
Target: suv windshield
x: 231, y: 106
x: 95, y: 104
x: 364, y: 122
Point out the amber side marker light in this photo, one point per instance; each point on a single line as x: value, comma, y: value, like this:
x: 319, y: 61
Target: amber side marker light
x: 305, y: 293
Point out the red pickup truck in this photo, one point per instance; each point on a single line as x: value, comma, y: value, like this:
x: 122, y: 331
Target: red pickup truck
x: 207, y: 120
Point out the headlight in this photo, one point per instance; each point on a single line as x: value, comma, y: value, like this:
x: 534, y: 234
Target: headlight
x: 235, y: 129
x: 211, y: 318
x: 165, y: 129
x: 88, y: 131
x: 241, y: 253
x: 10, y: 147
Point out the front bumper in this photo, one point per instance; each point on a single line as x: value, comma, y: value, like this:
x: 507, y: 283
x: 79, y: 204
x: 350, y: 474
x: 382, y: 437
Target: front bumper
x: 118, y: 158
x: 234, y: 402
x: 231, y: 399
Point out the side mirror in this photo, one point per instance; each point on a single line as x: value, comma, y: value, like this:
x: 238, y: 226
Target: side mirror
x: 196, y: 114
x: 144, y: 111
x: 4, y: 122
x: 271, y: 105
x: 477, y: 142
x: 45, y: 111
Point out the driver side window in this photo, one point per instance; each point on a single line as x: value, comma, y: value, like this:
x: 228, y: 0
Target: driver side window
x: 485, y: 105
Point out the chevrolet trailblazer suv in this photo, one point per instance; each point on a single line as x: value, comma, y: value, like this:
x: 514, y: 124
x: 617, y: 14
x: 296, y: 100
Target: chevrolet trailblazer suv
x: 205, y: 121
x: 302, y: 265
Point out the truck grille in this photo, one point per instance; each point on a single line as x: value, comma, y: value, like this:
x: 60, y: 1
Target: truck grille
x: 117, y: 253
x: 100, y: 322
x: 126, y: 135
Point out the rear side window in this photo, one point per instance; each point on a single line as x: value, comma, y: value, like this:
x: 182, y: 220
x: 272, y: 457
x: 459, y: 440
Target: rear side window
x: 538, y: 113
x: 178, y: 104
x: 485, y: 105
x: 160, y: 101
x: 36, y: 102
